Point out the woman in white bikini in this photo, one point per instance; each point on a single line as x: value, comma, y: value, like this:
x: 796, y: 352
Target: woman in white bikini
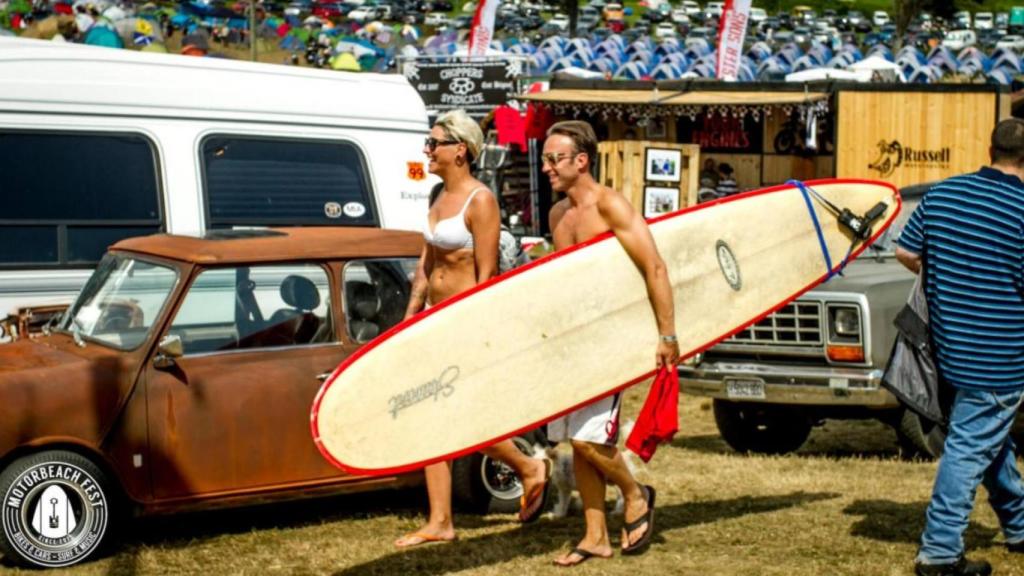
x: 461, y: 232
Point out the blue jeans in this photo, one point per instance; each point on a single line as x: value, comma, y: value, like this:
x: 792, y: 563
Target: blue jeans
x: 978, y: 450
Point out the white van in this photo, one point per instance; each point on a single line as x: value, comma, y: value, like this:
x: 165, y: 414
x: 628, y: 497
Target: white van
x: 957, y: 40
x: 98, y: 145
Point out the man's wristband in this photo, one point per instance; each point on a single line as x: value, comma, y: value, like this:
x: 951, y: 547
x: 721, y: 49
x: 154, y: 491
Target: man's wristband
x: 671, y: 339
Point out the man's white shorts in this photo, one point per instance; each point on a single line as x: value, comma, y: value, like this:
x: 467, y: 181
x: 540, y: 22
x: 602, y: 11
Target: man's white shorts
x: 597, y: 422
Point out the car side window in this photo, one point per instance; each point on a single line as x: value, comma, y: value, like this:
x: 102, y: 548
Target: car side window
x: 250, y: 307
x: 376, y: 295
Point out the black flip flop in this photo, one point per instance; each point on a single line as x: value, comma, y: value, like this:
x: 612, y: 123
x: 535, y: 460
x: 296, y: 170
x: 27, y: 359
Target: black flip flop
x: 583, y: 554
x: 645, y: 540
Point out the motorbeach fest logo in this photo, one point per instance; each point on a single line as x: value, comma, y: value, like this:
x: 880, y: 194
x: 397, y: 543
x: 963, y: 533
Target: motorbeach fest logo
x: 892, y: 155
x: 476, y: 86
x: 54, y: 513
x: 441, y: 387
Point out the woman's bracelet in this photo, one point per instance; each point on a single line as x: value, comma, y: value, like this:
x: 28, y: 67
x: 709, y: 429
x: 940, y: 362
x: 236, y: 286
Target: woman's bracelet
x: 671, y: 339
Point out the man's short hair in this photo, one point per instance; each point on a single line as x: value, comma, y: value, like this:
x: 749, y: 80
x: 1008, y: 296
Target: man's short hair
x: 584, y: 140
x: 1008, y: 141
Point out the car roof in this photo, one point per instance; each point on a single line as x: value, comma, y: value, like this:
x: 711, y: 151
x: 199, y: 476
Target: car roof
x: 277, y: 245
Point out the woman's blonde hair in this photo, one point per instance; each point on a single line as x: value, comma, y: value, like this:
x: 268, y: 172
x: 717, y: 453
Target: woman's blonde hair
x: 457, y: 125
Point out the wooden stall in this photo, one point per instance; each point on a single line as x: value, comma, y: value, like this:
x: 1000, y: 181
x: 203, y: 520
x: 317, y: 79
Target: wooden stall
x: 901, y: 133
x: 626, y: 165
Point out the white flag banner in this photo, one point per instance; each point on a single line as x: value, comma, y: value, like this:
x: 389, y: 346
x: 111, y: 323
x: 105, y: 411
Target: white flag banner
x: 482, y: 30
x: 732, y: 28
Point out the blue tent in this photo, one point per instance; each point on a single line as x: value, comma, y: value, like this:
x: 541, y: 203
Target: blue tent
x: 603, y: 65
x: 666, y: 71
x: 631, y: 71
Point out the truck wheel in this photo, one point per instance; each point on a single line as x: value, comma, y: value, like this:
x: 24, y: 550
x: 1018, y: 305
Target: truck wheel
x: 56, y: 507
x: 761, y: 428
x: 918, y: 437
x: 483, y: 485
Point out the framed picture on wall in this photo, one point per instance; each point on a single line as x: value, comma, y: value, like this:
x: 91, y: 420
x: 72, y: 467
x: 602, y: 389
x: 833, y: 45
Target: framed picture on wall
x: 656, y: 129
x: 662, y: 164
x: 660, y: 200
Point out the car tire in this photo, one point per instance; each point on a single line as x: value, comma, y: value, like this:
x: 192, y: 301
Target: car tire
x: 760, y: 428
x: 56, y: 509
x: 483, y: 485
x: 918, y: 437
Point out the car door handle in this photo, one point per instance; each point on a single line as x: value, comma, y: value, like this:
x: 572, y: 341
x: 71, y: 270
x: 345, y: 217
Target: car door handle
x: 323, y: 377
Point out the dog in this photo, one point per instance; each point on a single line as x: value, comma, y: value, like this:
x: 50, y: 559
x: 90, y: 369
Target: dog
x: 563, y: 477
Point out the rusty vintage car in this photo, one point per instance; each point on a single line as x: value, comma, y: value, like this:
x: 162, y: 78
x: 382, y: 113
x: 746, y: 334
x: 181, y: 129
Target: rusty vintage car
x: 182, y: 377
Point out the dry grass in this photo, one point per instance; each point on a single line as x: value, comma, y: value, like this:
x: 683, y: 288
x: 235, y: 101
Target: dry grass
x: 845, y: 504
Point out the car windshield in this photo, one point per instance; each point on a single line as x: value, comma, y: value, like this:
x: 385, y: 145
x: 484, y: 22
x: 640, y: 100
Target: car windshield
x: 120, y: 302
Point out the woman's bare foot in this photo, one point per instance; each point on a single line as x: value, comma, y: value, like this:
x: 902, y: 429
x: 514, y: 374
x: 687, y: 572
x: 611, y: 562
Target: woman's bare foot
x: 583, y: 552
x: 426, y: 535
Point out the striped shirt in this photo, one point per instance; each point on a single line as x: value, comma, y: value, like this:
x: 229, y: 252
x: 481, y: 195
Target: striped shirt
x: 969, y: 231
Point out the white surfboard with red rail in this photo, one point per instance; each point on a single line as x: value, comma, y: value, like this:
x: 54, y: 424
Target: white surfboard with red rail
x: 551, y: 336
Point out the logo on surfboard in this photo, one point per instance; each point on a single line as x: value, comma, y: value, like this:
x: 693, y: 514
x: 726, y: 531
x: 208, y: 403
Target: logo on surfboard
x: 730, y: 267
x: 440, y: 386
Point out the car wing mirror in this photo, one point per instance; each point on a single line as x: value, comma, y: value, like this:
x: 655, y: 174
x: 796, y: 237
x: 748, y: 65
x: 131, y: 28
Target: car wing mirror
x: 167, y: 350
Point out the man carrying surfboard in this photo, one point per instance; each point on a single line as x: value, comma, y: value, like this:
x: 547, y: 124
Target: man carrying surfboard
x: 588, y: 211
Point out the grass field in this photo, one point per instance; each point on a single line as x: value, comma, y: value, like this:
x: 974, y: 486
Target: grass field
x: 845, y: 504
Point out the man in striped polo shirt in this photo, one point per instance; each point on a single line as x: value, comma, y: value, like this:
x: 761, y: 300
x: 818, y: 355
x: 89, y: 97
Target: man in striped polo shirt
x: 968, y: 237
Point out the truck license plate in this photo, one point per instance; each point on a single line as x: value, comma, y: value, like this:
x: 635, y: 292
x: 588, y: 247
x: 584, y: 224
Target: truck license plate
x: 744, y: 388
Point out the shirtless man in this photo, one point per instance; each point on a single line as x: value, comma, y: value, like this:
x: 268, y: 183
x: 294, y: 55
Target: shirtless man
x: 589, y: 210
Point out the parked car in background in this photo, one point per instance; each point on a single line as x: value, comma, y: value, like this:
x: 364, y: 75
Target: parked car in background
x: 436, y: 19
x: 820, y: 357
x: 962, y: 20
x: 560, y: 21
x: 713, y: 9
x: 613, y: 11
x: 983, y: 21
x: 680, y: 16
x: 665, y: 30
x: 1002, y: 19
x: 692, y: 8
x: 957, y: 40
x: 880, y: 18
x: 757, y: 15
x: 1011, y: 41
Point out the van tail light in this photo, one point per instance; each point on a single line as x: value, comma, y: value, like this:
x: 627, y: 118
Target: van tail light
x: 845, y: 353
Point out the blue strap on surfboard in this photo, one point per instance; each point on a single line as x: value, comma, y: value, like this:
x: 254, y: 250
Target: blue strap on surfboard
x: 806, y: 192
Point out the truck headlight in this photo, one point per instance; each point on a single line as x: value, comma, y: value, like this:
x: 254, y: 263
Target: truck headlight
x: 845, y: 321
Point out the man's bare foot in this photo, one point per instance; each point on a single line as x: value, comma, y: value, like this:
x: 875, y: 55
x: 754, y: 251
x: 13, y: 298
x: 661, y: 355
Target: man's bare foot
x: 583, y: 552
x: 426, y: 535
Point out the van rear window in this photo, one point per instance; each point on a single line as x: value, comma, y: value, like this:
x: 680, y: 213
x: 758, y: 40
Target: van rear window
x: 68, y: 195
x: 251, y: 181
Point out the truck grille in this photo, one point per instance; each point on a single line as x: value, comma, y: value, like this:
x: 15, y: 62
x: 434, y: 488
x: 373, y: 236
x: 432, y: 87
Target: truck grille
x: 796, y: 324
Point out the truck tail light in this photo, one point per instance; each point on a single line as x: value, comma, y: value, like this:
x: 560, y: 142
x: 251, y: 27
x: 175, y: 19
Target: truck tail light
x: 838, y: 353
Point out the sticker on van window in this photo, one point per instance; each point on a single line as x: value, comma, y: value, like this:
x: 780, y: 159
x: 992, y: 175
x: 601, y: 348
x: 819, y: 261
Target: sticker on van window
x: 332, y: 210
x: 354, y: 209
x: 416, y: 171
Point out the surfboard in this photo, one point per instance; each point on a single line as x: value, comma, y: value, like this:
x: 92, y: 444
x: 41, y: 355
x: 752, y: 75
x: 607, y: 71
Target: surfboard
x: 546, y: 338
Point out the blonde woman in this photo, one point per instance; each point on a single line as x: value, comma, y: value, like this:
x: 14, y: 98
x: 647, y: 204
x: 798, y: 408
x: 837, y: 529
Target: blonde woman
x: 461, y: 232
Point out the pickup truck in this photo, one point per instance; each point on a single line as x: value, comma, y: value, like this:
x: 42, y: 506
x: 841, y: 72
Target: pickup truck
x: 819, y: 357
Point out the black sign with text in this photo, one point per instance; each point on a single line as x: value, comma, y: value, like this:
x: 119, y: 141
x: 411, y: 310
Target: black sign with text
x: 723, y: 134
x: 476, y: 87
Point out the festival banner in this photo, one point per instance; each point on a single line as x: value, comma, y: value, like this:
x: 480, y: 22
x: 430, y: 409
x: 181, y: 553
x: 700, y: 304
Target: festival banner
x: 482, y: 30
x: 732, y: 28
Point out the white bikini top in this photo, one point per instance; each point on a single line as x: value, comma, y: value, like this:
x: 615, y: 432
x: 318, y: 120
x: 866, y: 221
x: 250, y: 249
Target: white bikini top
x: 451, y: 233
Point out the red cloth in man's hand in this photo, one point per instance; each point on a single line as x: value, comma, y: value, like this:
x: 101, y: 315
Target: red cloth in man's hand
x: 659, y: 418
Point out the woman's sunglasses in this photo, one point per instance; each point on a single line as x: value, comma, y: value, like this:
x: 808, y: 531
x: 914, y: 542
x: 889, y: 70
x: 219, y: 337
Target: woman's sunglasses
x: 432, y: 143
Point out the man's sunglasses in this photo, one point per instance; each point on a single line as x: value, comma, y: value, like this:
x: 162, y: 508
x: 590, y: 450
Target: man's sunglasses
x: 552, y: 159
x: 432, y: 143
